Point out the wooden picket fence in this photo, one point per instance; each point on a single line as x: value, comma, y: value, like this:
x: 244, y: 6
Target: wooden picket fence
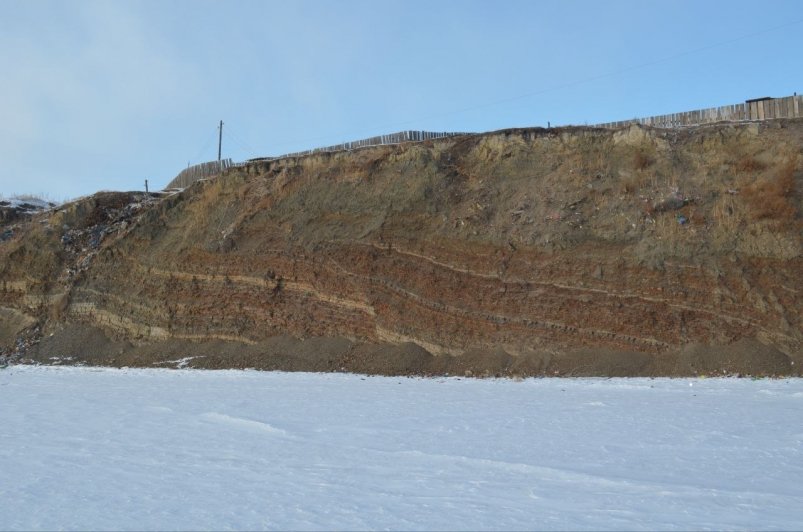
x: 759, y: 109
x: 191, y: 174
x: 393, y: 138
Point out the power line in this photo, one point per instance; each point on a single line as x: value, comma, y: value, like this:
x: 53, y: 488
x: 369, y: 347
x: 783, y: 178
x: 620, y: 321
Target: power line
x: 562, y: 86
x: 247, y: 148
x: 205, y: 146
x: 243, y: 144
x: 622, y: 70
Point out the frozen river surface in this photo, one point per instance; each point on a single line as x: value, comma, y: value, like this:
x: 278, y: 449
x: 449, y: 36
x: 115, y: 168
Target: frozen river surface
x: 87, y: 448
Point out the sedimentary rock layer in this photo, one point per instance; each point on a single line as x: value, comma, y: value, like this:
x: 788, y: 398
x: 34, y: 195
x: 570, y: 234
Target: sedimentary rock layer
x: 522, y: 241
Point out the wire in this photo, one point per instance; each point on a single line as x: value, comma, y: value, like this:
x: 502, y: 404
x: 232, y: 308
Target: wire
x: 243, y: 144
x: 205, y: 147
x: 555, y: 87
x: 228, y: 134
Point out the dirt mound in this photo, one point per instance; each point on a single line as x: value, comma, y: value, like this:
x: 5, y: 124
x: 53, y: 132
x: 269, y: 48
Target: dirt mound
x: 16, y: 330
x: 742, y: 357
x: 402, y: 359
x: 12, y: 324
x: 589, y: 363
x: 478, y: 362
x: 77, y: 344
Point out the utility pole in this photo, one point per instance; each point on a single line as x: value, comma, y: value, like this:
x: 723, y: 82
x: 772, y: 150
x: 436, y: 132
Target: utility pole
x: 146, y: 186
x: 220, y: 140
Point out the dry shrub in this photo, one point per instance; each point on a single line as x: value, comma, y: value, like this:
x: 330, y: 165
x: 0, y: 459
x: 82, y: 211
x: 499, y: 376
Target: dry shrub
x: 726, y: 214
x: 773, y: 197
x: 631, y: 183
x: 747, y: 164
x: 596, y: 163
x: 643, y: 159
x: 697, y: 217
x: 666, y: 227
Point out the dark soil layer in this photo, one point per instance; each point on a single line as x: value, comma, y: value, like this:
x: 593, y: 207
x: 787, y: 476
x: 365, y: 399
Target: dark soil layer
x: 77, y: 344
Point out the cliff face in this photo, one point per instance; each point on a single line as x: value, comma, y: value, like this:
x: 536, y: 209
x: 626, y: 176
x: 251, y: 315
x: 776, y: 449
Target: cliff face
x: 535, y: 245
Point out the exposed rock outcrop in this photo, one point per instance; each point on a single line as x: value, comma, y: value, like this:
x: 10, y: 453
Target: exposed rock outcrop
x: 569, y: 251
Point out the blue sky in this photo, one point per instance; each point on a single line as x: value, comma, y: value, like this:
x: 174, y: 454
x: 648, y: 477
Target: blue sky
x: 102, y: 95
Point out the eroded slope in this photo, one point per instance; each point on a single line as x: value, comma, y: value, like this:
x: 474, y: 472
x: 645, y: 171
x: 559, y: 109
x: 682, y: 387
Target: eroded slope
x: 535, y: 249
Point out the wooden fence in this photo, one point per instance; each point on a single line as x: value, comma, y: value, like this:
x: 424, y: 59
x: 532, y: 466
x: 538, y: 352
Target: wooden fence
x: 393, y: 138
x: 760, y: 109
x: 191, y: 174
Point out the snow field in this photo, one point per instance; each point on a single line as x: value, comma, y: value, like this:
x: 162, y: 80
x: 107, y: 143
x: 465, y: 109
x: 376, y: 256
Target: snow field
x: 91, y: 448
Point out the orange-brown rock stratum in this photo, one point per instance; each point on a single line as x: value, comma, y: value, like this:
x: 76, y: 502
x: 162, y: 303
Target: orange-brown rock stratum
x: 572, y: 251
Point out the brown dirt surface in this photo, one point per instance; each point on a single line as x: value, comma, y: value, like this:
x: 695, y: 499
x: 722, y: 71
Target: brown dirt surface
x: 78, y: 344
x: 568, y: 251
x: 12, y: 324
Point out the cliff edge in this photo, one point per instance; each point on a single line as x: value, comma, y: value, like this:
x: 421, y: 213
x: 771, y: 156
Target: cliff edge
x: 570, y: 251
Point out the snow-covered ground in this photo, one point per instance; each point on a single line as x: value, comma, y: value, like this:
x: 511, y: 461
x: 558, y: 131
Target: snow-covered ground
x: 86, y: 448
x: 31, y: 203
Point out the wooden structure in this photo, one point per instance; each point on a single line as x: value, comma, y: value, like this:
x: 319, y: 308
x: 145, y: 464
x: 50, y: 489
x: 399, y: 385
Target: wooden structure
x: 757, y: 109
x: 191, y: 174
